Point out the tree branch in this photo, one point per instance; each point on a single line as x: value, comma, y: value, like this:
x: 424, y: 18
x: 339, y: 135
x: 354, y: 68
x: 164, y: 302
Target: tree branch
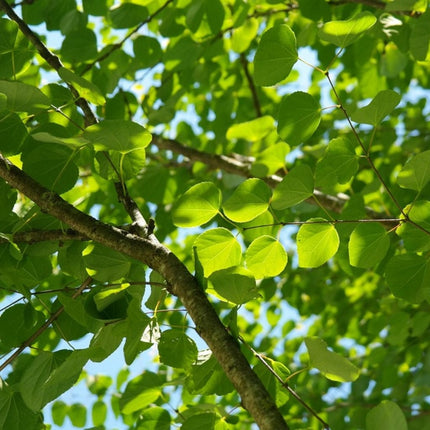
x: 35, y: 236
x: 242, y: 168
x: 44, y: 326
x: 50, y: 58
x: 180, y: 282
x: 251, y: 85
x: 118, y: 45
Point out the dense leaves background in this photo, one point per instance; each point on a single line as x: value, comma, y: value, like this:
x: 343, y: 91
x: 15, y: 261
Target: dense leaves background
x: 281, y: 151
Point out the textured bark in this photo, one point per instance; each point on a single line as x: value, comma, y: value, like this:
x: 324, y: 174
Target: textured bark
x: 181, y: 283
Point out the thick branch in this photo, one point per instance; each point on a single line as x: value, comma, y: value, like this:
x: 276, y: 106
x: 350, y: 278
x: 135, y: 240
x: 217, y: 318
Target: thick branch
x: 241, y: 168
x: 35, y: 236
x: 180, y: 281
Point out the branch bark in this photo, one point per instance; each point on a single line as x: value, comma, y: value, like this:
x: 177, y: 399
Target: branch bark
x: 181, y: 283
x: 243, y: 168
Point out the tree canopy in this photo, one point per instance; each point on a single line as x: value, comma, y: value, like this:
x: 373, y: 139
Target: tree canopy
x: 240, y: 186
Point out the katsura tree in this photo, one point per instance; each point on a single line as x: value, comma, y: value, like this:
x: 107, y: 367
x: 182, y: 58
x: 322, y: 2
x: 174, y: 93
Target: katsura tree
x: 241, y: 187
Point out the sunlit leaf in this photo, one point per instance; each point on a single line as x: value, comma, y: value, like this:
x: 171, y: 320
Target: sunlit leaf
x: 276, y: 55
x: 23, y: 97
x: 299, y: 117
x: 368, y: 245
x: 343, y: 33
x: 408, y: 277
x: 266, y: 257
x: 85, y: 88
x: 235, y: 285
x: 197, y: 206
x: 250, y: 199
x: 332, y: 365
x: 217, y: 249
x: 140, y: 392
x: 176, y: 349
x: 317, y: 242
x: 386, y: 415
x: 415, y: 174
x: 381, y: 106
x: 253, y: 130
x: 295, y: 187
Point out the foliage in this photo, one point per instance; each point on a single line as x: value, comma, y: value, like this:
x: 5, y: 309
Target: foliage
x: 241, y: 182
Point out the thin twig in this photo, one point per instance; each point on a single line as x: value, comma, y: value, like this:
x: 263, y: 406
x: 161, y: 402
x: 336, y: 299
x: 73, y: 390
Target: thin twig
x: 119, y: 45
x: 50, y: 58
x: 284, y: 384
x: 41, y: 329
x: 365, y: 151
x: 334, y: 221
x: 251, y: 85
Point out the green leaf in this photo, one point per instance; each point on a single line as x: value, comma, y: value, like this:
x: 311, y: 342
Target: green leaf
x: 212, y: 9
x: 197, y: 206
x: 77, y: 414
x: 215, y: 14
x: 295, y: 187
x: 415, y: 174
x: 408, y: 277
x: 118, y: 135
x: 86, y: 89
x: 51, y: 165
x: 136, y: 324
x: 299, y: 117
x: 49, y: 375
x: 276, y: 55
x: 387, y: 415
x: 368, y: 245
x: 208, y: 378
x: 105, y: 264
x: 338, y: 165
x: 266, y: 257
x: 235, y: 285
x: 15, y: 415
x: 206, y: 420
x: 15, y: 49
x: 79, y: 46
x: 99, y: 413
x: 244, y: 35
x: 333, y: 366
x: 18, y: 323
x: 217, y: 249
x: 343, y: 33
x: 270, y: 160
x: 140, y: 392
x: 414, y: 239
x: 420, y: 37
x: 381, y: 106
x: 127, y: 15
x: 316, y: 243
x: 273, y: 386
x: 109, y: 295
x: 253, y: 130
x: 112, y: 308
x: 147, y: 51
x: 176, y: 349
x: 250, y: 199
x: 154, y: 418
x: 23, y: 97
x: 59, y: 412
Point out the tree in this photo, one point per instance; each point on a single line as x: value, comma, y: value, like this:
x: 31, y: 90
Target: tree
x: 249, y: 177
